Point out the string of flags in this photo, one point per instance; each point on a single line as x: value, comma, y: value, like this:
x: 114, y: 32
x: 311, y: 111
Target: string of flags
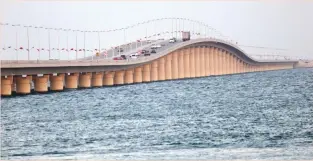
x: 52, y: 49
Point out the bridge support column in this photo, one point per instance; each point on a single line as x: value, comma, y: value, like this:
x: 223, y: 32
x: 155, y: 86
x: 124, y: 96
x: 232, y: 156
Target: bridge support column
x: 207, y: 60
x: 129, y: 76
x: 197, y: 61
x: 57, y: 82
x: 232, y: 67
x: 192, y: 63
x: 175, y: 65
x: 181, y: 69
x: 97, y: 79
x: 41, y: 83
x: 224, y: 62
x: 138, y: 75
x: 71, y: 81
x: 23, y: 85
x: 85, y: 80
x: 202, y: 61
x: 6, y: 85
x: 154, y: 71
x: 108, y: 79
x: 219, y: 62
x: 213, y: 61
x: 161, y: 68
x: 168, y: 67
x: 146, y: 73
x: 186, y: 54
x: 119, y: 77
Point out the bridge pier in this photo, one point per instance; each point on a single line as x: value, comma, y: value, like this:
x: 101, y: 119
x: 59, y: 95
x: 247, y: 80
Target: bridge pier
x: 23, y: 85
x: 161, y: 68
x: 197, y: 61
x: 202, y: 62
x: 181, y: 67
x: 97, y: 79
x: 168, y: 67
x: 138, y: 75
x: 146, y: 73
x: 154, y: 71
x: 108, y: 79
x: 207, y: 61
x: 71, y: 81
x: 186, y: 55
x: 119, y: 77
x: 192, y: 63
x: 175, y: 65
x: 41, y: 83
x: 129, y: 76
x: 6, y: 85
x: 57, y: 82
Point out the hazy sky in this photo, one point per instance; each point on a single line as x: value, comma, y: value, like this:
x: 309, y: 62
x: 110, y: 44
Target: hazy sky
x: 281, y: 24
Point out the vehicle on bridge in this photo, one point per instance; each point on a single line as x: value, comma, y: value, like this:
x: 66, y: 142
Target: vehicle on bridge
x: 153, y: 51
x: 118, y: 58
x: 172, y: 40
x: 155, y: 46
x: 186, y: 35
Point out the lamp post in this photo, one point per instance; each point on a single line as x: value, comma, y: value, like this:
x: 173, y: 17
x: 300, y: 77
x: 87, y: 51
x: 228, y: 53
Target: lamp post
x: 28, y: 50
x: 84, y: 44
x: 16, y: 40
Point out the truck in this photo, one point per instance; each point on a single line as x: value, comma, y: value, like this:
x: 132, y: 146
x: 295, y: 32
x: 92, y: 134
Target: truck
x: 186, y: 35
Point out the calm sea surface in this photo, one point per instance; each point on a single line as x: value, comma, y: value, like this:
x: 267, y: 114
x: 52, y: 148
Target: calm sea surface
x: 265, y: 115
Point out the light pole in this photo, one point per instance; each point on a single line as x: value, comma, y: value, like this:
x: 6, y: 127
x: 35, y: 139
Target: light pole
x: 28, y: 50
x: 49, y: 41
x: 68, y: 52
x: 76, y: 43
x: 99, y: 41
x: 84, y: 44
x: 39, y: 42
x: 16, y: 39
x: 59, y: 43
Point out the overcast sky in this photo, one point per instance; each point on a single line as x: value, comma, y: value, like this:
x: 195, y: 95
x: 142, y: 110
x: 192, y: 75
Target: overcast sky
x: 282, y: 24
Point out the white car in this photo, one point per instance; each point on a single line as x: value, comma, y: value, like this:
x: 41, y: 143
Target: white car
x: 172, y: 40
x: 133, y: 56
x: 154, y: 46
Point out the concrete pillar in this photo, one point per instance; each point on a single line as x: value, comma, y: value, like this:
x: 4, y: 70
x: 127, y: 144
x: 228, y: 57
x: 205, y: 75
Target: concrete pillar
x: 224, y: 62
x: 41, y: 84
x: 71, y: 81
x: 161, y: 68
x: 85, y: 80
x: 56, y: 82
x: 108, y: 79
x: 97, y: 79
x: 207, y: 61
x: 138, y: 75
x: 219, y: 62
x: 181, y: 66
x: 213, y: 61
x: 6, y: 86
x: 175, y: 65
x: 154, y: 71
x: 129, y: 76
x: 186, y: 53
x: 119, y: 77
x: 202, y: 62
x: 146, y: 73
x: 192, y: 63
x: 227, y: 62
x: 238, y: 65
x: 233, y: 66
x: 23, y: 85
x: 197, y: 61
x: 168, y: 67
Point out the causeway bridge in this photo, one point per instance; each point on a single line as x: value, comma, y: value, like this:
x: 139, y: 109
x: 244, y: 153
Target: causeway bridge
x: 199, y: 57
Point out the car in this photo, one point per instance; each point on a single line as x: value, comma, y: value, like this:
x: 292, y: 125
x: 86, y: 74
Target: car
x: 172, y: 40
x: 144, y: 51
x: 133, y: 56
x: 155, y: 46
x: 152, y: 51
x: 147, y: 54
x: 123, y: 56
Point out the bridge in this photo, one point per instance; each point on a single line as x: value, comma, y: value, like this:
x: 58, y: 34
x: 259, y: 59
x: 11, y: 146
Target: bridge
x: 201, y: 56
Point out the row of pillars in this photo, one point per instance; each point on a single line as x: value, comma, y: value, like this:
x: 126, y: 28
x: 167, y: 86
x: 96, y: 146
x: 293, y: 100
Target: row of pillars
x: 184, y: 63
